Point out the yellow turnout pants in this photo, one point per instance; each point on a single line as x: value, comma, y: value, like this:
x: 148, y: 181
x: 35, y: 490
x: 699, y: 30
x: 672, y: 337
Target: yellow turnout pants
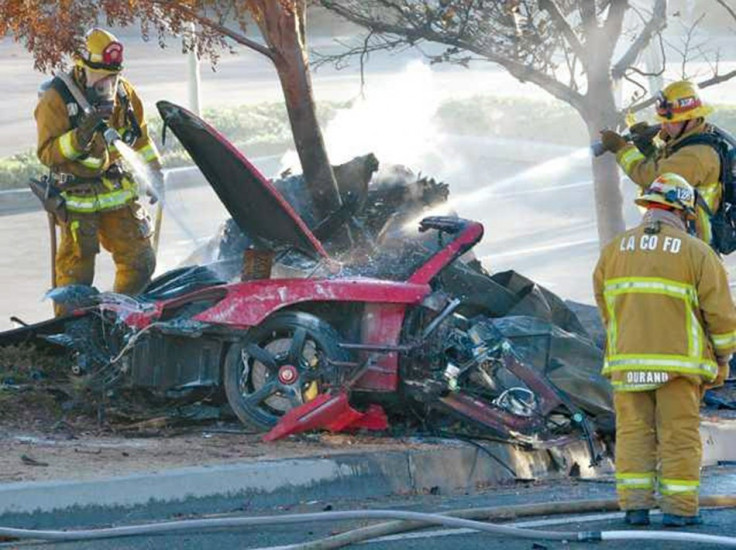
x: 124, y: 232
x: 659, y: 428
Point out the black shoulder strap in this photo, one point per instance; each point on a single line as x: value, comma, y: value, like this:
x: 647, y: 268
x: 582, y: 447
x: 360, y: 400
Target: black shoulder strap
x: 73, y: 109
x: 719, y: 144
x: 128, y: 109
x: 705, y: 138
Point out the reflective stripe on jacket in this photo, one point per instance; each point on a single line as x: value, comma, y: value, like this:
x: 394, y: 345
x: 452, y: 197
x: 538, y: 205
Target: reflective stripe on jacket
x: 59, y: 149
x: 698, y: 164
x: 101, y: 195
x: 667, y: 307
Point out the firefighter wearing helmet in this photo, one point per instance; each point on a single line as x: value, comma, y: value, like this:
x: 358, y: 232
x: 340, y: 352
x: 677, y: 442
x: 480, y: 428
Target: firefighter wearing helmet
x: 682, y: 114
x: 101, y: 205
x: 671, y: 329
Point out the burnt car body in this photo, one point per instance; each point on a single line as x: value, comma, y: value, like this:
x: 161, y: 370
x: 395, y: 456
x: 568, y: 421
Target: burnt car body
x: 346, y: 345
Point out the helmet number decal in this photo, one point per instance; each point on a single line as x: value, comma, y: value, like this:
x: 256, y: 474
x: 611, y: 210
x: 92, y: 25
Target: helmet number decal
x: 679, y: 195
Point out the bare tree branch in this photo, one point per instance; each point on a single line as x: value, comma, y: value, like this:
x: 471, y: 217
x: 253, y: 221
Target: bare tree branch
x: 717, y: 79
x: 559, y: 21
x: 209, y: 23
x: 611, y: 30
x: 656, y: 24
x: 728, y: 8
x: 371, y: 43
x: 587, y: 14
x: 363, y: 59
x: 627, y: 77
x: 517, y: 68
x: 687, y: 47
x: 713, y: 81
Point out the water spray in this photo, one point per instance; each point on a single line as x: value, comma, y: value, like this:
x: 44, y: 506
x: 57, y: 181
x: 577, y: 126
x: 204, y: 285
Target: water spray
x: 547, y: 169
x: 143, y: 174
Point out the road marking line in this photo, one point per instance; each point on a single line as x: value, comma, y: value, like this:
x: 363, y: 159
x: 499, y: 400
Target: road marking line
x: 544, y: 248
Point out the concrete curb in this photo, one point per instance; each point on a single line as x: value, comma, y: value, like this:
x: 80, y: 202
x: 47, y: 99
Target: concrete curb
x: 448, y: 468
x: 444, y: 467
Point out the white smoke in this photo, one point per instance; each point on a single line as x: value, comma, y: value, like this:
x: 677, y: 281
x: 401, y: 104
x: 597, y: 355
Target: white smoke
x: 393, y: 120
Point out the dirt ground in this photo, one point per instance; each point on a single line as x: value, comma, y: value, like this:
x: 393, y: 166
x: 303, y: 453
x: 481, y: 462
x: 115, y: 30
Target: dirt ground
x: 51, y: 428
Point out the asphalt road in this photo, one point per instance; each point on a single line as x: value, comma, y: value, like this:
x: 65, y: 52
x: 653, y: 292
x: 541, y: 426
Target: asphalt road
x: 717, y: 522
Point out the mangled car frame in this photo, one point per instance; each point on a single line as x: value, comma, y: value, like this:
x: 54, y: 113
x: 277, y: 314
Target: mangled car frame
x: 404, y: 324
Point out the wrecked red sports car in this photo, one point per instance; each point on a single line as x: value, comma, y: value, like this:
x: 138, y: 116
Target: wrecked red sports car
x: 406, y: 325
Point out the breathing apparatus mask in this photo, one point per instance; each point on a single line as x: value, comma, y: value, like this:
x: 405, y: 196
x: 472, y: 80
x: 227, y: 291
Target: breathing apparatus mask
x: 101, y: 94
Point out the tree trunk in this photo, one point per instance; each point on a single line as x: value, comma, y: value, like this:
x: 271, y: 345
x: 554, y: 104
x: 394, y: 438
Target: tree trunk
x: 310, y: 146
x: 601, y: 113
x: 283, y: 27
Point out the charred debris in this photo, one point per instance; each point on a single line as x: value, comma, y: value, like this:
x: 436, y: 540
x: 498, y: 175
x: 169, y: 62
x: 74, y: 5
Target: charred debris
x: 482, y: 354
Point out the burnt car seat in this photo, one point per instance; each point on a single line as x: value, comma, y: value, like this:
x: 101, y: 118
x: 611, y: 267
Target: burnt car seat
x: 178, y: 282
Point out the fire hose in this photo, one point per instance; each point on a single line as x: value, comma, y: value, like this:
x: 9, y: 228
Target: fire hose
x: 408, y: 521
x: 369, y: 532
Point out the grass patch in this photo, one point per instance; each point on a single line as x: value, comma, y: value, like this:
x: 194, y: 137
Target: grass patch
x: 27, y: 363
x: 31, y: 379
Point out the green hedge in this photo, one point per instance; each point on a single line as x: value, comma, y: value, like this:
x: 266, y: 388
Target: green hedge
x: 256, y: 129
x: 264, y: 129
x: 535, y: 120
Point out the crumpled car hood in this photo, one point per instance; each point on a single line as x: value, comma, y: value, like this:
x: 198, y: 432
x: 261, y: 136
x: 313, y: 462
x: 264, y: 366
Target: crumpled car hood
x: 254, y: 203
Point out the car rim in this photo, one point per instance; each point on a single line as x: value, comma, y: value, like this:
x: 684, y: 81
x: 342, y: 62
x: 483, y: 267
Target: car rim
x: 280, y: 372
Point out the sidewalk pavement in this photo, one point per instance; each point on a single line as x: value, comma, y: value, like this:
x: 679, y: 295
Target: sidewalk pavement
x: 400, y: 467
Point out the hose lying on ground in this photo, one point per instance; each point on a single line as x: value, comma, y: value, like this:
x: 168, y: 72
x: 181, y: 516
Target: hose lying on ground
x: 431, y: 519
x: 375, y: 531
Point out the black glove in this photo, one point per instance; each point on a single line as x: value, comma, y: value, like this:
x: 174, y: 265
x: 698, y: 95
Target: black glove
x: 88, y: 126
x: 640, y: 129
x: 642, y: 134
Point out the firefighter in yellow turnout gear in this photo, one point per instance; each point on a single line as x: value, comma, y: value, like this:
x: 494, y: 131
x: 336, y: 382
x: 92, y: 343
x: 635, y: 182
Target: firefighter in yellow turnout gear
x: 682, y: 113
x: 101, y: 198
x: 671, y: 330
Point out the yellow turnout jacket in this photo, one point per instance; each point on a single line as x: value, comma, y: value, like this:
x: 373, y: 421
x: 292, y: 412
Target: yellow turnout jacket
x: 698, y: 164
x: 59, y: 149
x: 667, y: 307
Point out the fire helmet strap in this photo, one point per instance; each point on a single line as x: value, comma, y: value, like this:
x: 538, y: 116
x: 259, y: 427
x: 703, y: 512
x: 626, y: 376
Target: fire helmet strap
x: 663, y: 106
x: 691, y: 229
x: 102, y: 66
x: 683, y: 128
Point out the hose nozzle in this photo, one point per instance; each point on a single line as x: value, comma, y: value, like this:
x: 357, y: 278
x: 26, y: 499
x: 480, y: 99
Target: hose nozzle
x: 638, y: 137
x: 597, y: 148
x: 111, y: 135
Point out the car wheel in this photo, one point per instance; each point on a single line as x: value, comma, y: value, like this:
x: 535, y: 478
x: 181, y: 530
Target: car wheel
x: 279, y: 365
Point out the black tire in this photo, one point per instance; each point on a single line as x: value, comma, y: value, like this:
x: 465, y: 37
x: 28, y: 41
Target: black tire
x: 253, y: 386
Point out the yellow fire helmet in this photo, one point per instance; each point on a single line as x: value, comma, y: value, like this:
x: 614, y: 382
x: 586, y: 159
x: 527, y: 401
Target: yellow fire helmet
x: 670, y: 190
x: 102, y: 52
x: 680, y: 101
